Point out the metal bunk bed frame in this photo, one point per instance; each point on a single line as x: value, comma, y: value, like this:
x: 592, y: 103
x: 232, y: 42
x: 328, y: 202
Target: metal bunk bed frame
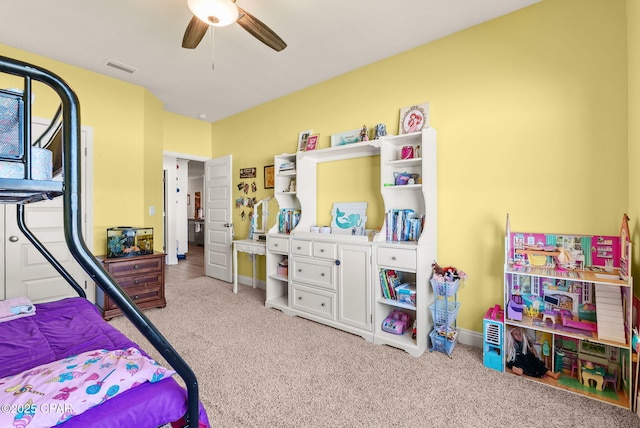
x: 27, y: 190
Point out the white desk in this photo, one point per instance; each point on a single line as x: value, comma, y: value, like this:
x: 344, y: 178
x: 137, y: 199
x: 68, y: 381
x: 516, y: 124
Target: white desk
x: 251, y: 247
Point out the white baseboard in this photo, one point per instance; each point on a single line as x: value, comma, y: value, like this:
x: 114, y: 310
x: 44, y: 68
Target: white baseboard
x: 248, y: 280
x: 466, y: 337
x: 470, y: 337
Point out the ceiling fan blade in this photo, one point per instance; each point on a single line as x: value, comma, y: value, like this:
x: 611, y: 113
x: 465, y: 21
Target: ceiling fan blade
x: 194, y: 33
x: 260, y: 31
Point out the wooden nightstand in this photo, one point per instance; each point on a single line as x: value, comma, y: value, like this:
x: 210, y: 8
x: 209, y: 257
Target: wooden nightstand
x: 141, y: 277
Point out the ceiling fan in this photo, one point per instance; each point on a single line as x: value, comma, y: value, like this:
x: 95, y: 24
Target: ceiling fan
x: 219, y: 13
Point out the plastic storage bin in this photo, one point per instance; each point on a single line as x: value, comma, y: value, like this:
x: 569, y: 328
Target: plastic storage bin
x: 444, y: 312
x: 442, y: 343
x: 445, y: 288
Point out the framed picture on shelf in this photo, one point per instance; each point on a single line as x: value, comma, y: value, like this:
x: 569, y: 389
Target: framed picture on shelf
x: 302, y: 140
x: 312, y: 142
x: 414, y: 118
x: 268, y: 177
x: 343, y: 138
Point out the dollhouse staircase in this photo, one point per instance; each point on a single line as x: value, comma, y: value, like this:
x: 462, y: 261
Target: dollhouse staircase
x: 609, y: 313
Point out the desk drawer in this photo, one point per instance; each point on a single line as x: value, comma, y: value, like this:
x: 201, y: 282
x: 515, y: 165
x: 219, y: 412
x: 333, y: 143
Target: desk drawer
x: 277, y: 244
x: 251, y: 247
x: 301, y: 248
x: 313, y: 301
x: 320, y: 273
x: 397, y: 258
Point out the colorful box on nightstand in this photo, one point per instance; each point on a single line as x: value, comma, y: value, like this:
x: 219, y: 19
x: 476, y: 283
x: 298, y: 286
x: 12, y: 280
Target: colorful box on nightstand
x: 492, y: 349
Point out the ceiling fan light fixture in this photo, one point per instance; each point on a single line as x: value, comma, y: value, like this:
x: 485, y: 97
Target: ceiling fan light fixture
x: 214, y: 12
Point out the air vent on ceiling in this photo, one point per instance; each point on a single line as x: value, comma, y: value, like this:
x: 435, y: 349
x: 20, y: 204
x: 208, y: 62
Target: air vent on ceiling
x: 120, y: 66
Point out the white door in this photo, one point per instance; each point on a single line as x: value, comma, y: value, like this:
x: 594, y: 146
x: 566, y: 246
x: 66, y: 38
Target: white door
x: 218, y: 227
x: 27, y: 273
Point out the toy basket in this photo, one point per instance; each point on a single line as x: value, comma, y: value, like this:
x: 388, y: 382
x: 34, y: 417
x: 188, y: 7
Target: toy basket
x: 444, y: 312
x: 441, y: 343
x: 445, y: 288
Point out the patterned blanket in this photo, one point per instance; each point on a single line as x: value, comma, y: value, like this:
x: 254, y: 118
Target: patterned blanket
x: 55, y: 392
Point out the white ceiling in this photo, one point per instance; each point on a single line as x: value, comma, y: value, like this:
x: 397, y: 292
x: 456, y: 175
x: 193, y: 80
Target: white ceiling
x: 325, y: 38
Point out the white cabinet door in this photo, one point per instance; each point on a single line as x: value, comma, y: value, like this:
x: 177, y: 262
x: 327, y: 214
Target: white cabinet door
x: 354, y: 286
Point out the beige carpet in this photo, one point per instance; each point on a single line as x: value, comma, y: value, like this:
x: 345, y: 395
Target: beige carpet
x: 260, y: 368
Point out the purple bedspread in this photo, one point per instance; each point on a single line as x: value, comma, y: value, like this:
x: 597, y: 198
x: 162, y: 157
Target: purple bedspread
x: 72, y: 326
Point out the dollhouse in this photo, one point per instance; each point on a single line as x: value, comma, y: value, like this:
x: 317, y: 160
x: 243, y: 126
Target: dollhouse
x: 571, y: 295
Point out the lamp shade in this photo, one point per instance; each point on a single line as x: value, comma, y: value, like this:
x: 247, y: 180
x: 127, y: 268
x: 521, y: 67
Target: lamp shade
x: 214, y: 12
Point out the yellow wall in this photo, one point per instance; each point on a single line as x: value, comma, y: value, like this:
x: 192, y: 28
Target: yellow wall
x: 185, y: 135
x: 130, y: 129
x: 531, y: 114
x: 633, y: 40
x: 153, y: 192
x: 530, y: 109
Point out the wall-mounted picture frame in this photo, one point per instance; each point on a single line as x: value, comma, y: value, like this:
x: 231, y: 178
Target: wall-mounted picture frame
x: 247, y: 172
x: 302, y: 140
x: 312, y: 142
x: 269, y: 177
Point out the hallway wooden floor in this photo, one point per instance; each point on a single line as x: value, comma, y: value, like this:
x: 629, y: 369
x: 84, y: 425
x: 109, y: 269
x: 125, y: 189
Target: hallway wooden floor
x: 191, y: 267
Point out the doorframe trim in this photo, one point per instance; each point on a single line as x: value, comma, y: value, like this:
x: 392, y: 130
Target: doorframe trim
x: 170, y: 251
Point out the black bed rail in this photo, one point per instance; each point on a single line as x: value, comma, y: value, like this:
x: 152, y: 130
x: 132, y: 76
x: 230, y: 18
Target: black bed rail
x: 71, y: 186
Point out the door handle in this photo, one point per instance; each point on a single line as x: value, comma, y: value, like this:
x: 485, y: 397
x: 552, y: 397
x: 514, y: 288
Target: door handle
x: 228, y: 225
x: 13, y: 238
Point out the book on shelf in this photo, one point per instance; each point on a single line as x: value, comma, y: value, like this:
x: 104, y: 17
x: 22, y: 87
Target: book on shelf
x: 287, y: 166
x: 403, y: 225
x: 288, y: 219
x: 389, y: 281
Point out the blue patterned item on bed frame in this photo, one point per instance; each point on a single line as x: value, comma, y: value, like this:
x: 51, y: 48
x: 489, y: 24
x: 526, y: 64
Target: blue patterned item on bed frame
x: 11, y: 106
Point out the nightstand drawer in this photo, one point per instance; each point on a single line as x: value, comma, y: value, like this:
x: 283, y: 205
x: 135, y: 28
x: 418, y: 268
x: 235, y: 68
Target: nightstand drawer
x: 301, y: 248
x: 134, y: 267
x: 139, y: 295
x: 278, y: 245
x: 326, y: 250
x: 316, y: 302
x: 397, y: 258
x: 140, y: 280
x: 144, y: 294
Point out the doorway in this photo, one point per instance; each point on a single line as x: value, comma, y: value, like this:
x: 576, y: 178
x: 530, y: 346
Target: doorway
x: 181, y: 171
x: 215, y: 202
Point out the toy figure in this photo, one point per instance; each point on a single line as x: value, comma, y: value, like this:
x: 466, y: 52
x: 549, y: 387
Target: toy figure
x: 521, y: 356
x: 364, y: 133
